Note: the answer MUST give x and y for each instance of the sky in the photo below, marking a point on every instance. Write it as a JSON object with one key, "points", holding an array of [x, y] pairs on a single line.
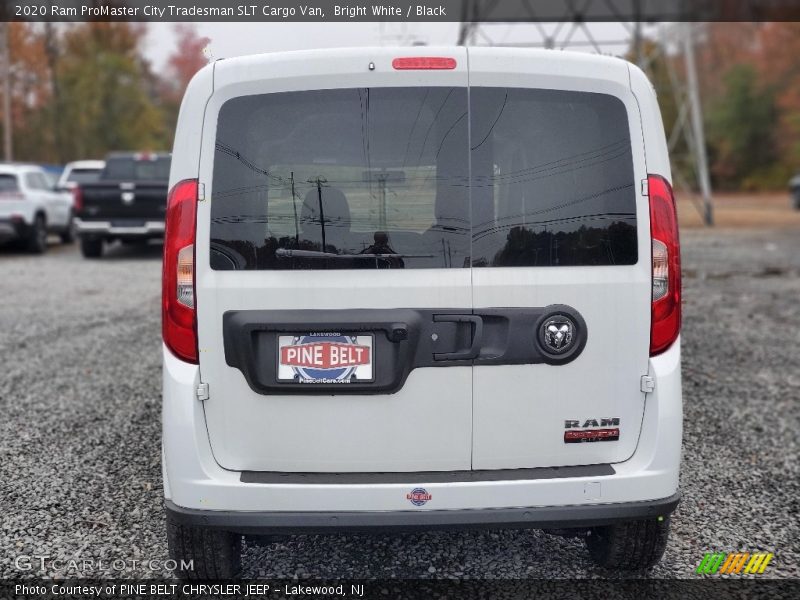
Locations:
{"points": [[236, 39]]}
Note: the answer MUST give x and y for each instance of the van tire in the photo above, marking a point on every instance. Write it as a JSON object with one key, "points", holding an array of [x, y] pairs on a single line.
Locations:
{"points": [[91, 248], [37, 238], [214, 554], [631, 545]]}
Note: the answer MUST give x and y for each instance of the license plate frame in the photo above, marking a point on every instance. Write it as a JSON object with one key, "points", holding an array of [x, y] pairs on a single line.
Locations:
{"points": [[325, 358]]}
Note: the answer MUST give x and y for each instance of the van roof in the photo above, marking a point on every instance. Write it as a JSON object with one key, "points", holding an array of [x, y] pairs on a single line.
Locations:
{"points": [[367, 51], [317, 61]]}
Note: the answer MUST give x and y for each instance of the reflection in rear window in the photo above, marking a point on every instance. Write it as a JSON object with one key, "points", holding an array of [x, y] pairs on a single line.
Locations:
{"points": [[341, 179], [380, 178], [8, 183], [552, 179]]}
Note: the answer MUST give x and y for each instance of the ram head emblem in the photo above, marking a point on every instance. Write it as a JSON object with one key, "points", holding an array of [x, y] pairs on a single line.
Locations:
{"points": [[558, 334]]}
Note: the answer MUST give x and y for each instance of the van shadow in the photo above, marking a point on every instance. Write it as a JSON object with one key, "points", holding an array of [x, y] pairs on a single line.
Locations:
{"points": [[503, 554]]}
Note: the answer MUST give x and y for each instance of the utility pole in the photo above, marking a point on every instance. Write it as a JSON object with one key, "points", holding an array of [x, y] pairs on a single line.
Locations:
{"points": [[5, 75], [696, 113]]}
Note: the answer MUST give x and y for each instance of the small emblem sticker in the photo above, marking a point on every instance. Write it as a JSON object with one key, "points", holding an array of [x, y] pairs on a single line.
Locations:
{"points": [[418, 496]]}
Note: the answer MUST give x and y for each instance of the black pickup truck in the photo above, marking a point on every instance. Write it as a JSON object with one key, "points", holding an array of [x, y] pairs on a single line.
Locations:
{"points": [[128, 202]]}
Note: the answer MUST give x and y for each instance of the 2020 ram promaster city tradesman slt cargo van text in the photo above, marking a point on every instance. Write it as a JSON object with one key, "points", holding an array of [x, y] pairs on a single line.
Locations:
{"points": [[420, 292]]}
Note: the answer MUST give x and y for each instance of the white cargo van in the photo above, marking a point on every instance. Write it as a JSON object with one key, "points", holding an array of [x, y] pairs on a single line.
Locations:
{"points": [[413, 291]]}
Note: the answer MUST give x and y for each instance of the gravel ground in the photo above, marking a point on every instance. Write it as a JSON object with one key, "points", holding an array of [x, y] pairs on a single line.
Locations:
{"points": [[79, 438]]}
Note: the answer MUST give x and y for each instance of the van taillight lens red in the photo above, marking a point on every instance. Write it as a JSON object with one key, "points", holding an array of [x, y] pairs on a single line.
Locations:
{"points": [[179, 320], [410, 63], [666, 295]]}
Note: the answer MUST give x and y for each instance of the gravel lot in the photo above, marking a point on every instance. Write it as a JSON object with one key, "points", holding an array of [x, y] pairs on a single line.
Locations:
{"points": [[80, 433]]}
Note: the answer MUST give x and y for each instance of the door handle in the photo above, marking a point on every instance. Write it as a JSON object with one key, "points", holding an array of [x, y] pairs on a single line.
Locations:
{"points": [[477, 335]]}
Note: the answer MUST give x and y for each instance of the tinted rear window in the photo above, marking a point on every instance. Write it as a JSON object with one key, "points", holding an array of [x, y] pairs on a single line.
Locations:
{"points": [[8, 183], [552, 179], [332, 178], [380, 178], [132, 169], [84, 175]]}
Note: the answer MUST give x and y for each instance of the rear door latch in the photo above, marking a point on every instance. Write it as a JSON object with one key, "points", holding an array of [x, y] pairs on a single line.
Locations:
{"points": [[476, 325], [648, 384], [202, 391]]}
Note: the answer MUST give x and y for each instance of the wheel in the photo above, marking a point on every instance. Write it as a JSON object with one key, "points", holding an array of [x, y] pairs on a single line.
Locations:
{"points": [[208, 553], [796, 199], [629, 545], [37, 239], [91, 248], [68, 235]]}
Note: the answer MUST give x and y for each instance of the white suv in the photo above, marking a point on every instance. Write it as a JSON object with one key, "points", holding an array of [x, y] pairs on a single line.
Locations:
{"points": [[416, 292], [31, 207]]}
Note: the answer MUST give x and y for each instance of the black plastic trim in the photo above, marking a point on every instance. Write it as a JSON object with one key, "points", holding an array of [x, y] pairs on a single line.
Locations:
{"points": [[422, 477], [541, 517], [21, 228], [405, 339]]}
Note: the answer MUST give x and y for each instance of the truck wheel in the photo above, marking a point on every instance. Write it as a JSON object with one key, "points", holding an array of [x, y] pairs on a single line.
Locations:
{"points": [[202, 553], [68, 235], [37, 239], [91, 248], [631, 545]]}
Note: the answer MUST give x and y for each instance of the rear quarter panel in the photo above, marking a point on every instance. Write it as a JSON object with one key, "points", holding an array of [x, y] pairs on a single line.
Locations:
{"points": [[189, 131]]}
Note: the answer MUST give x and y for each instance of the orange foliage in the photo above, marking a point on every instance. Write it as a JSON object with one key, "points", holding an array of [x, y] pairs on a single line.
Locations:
{"points": [[186, 60]]}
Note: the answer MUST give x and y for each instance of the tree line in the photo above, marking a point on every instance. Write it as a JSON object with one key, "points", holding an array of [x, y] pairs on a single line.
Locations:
{"points": [[81, 90], [749, 78]]}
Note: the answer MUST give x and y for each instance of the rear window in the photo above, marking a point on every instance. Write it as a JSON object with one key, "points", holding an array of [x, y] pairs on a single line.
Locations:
{"points": [[552, 179], [84, 175], [8, 183], [346, 178], [154, 168], [380, 178]]}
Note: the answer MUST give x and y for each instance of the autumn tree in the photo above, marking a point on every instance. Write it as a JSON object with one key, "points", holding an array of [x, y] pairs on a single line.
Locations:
{"points": [[30, 94], [741, 130], [107, 101], [779, 68], [182, 64]]}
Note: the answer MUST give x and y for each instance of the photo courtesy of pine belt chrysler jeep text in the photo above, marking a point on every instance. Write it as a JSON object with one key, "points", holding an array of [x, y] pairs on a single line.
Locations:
{"points": [[408, 291]]}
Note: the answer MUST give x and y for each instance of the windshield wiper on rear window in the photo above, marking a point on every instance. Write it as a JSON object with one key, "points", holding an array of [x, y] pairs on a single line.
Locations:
{"points": [[290, 253]]}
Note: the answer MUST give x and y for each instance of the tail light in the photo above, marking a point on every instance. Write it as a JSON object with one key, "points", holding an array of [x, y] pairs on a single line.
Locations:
{"points": [[665, 322], [77, 199], [410, 63], [179, 319]]}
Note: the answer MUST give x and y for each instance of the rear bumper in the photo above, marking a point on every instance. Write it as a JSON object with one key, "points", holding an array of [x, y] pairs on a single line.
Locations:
{"points": [[109, 229], [13, 229], [195, 485], [536, 517]]}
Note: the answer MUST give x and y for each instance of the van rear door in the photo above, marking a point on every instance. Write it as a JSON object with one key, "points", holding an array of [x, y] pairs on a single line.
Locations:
{"points": [[561, 260], [332, 264]]}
